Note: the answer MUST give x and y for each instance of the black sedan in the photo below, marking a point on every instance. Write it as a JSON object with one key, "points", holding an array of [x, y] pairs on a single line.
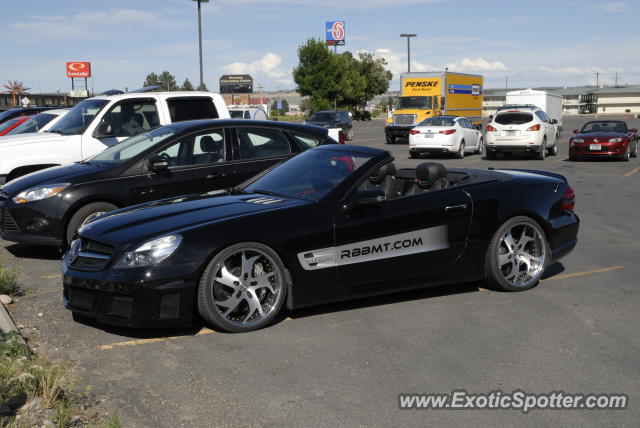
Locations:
{"points": [[48, 206], [334, 223]]}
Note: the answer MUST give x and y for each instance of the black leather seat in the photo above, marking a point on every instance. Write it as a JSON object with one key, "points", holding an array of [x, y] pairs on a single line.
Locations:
{"points": [[213, 150], [383, 179], [429, 176]]}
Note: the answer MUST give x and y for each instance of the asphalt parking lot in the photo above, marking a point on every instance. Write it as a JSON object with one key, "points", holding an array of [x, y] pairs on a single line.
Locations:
{"points": [[345, 364]]}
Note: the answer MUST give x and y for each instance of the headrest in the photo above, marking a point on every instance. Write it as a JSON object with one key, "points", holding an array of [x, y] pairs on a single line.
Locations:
{"points": [[139, 119], [428, 173], [382, 172], [208, 145]]}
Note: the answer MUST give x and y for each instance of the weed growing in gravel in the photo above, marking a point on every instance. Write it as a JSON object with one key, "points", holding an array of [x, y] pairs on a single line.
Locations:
{"points": [[9, 281]]}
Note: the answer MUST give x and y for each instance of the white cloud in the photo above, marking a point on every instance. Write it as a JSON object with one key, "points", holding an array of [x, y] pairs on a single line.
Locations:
{"points": [[616, 6], [477, 64], [268, 65], [397, 63]]}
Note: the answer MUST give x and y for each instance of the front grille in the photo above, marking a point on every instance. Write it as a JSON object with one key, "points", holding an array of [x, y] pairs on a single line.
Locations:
{"points": [[404, 119], [7, 224], [92, 255]]}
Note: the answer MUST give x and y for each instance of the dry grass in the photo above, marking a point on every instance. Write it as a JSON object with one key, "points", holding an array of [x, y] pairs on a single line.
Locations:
{"points": [[9, 281]]}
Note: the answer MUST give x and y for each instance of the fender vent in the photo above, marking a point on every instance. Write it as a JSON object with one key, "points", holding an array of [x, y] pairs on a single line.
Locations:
{"points": [[264, 201]]}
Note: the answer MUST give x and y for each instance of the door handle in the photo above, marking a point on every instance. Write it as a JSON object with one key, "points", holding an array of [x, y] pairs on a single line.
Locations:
{"points": [[215, 175], [455, 207]]}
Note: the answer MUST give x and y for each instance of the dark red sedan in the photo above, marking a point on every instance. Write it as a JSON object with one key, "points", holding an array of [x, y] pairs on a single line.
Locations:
{"points": [[604, 138]]}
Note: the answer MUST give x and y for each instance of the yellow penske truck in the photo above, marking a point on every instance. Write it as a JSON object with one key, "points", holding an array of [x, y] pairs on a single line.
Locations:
{"points": [[429, 94]]}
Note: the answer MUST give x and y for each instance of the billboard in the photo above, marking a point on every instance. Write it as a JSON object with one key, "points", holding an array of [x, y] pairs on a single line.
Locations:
{"points": [[335, 33], [236, 84], [78, 69]]}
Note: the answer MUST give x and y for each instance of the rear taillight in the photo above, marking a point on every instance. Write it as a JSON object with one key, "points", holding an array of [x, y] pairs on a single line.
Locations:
{"points": [[341, 137], [414, 132], [491, 128], [447, 131], [534, 128], [569, 199]]}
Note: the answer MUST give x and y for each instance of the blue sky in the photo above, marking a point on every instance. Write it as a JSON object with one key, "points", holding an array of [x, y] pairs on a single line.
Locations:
{"points": [[531, 43]]}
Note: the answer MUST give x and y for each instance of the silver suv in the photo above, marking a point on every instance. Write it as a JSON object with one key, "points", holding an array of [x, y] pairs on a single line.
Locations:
{"points": [[521, 128]]}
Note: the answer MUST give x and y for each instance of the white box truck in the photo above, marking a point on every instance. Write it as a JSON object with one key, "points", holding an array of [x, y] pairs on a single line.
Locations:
{"points": [[549, 102]]}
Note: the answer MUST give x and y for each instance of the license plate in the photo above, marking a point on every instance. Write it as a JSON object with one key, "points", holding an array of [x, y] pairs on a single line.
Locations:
{"points": [[595, 147], [509, 133], [428, 135]]}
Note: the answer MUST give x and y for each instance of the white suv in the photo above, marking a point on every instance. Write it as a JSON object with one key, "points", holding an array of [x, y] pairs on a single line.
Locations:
{"points": [[521, 128]]}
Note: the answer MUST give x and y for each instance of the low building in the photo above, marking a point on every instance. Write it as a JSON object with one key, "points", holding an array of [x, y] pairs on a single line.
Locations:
{"points": [[580, 100]]}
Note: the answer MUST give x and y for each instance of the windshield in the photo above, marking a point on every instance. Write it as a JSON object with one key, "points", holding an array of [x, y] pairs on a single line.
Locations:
{"points": [[414, 102], [236, 114], [34, 124], [323, 116], [79, 118], [134, 146], [437, 121], [310, 175], [604, 126]]}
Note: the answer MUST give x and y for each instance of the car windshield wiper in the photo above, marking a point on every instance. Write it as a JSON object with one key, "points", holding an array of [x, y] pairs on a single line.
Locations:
{"points": [[54, 131], [270, 193]]}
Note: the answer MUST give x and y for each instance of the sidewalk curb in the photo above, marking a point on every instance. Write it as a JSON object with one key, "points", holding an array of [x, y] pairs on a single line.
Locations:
{"points": [[7, 325]]}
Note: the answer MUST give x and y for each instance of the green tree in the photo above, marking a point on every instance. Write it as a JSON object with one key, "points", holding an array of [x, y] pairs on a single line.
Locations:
{"points": [[187, 85], [376, 76], [165, 80]]}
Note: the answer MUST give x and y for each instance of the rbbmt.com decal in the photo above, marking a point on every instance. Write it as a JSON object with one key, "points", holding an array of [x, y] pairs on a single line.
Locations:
{"points": [[418, 241]]}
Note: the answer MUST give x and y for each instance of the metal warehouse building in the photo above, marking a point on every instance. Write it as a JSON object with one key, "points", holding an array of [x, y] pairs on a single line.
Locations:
{"points": [[582, 100]]}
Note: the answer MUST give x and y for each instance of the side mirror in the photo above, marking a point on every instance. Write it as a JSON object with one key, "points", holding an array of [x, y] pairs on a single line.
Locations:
{"points": [[104, 130], [368, 198], [158, 163], [554, 122], [575, 131]]}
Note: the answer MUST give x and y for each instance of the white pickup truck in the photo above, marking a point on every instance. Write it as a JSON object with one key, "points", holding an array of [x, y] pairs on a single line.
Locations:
{"points": [[100, 122]]}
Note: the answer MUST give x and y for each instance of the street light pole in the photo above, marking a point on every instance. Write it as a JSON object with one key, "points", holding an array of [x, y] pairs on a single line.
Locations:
{"points": [[200, 39], [408, 36]]}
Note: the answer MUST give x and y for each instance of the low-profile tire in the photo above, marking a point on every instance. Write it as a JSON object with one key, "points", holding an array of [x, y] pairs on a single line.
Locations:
{"points": [[627, 155], [517, 255], [490, 155], [391, 139], [543, 150], [460, 152], [480, 146], [349, 134], [553, 151], [243, 288], [84, 215], [634, 153]]}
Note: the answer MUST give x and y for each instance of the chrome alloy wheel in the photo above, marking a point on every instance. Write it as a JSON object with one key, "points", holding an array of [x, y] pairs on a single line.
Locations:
{"points": [[522, 254], [246, 286]]}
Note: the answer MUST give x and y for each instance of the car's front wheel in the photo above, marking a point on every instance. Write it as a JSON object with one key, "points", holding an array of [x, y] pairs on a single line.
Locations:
{"points": [[517, 255], [634, 153], [243, 288], [84, 215]]}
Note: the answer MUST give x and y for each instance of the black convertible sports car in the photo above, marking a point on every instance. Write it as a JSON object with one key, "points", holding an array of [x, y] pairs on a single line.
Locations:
{"points": [[334, 223]]}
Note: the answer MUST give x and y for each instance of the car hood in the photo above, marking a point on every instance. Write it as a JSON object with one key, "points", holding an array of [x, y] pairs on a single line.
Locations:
{"points": [[602, 137], [72, 174], [140, 223], [32, 137]]}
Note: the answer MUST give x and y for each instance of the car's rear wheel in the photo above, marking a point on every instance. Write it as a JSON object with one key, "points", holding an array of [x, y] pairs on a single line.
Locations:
{"points": [[543, 150], [490, 155], [460, 152], [349, 134], [413, 155], [243, 288], [84, 215], [391, 139], [517, 255], [480, 146]]}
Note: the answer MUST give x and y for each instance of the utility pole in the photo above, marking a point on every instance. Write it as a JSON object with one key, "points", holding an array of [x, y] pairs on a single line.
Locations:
{"points": [[506, 82], [408, 36], [200, 39]]}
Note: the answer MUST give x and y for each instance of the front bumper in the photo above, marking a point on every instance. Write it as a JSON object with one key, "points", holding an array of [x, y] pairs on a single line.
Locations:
{"points": [[159, 296], [606, 149], [401, 131], [35, 222]]}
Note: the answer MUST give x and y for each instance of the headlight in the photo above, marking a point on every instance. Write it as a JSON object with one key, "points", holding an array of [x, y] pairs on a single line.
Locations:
{"points": [[615, 140], [578, 140], [38, 193], [150, 253]]}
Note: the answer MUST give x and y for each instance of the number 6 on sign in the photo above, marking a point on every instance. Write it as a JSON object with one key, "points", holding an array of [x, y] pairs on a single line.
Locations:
{"points": [[335, 31]]}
